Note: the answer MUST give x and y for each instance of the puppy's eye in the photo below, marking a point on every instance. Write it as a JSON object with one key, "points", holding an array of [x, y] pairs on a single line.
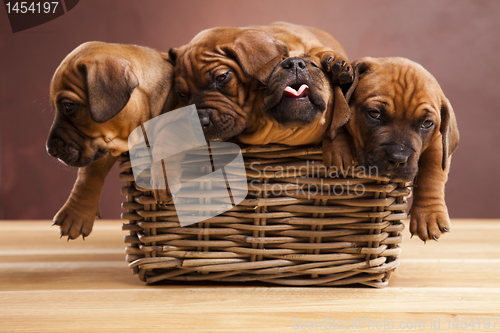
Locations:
{"points": [[427, 124], [221, 78], [182, 95], [69, 108], [375, 114]]}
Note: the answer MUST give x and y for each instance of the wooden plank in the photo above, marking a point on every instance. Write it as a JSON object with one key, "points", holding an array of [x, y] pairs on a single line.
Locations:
{"points": [[115, 274], [447, 273], [31, 235], [240, 309], [468, 239], [50, 285]]}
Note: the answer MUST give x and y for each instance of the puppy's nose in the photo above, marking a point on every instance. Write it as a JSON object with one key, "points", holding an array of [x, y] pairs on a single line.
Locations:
{"points": [[397, 160], [398, 156], [52, 151], [52, 147], [293, 64], [204, 115]]}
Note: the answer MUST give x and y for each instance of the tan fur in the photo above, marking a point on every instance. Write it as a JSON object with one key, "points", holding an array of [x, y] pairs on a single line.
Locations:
{"points": [[128, 85], [315, 45], [408, 95], [214, 51]]}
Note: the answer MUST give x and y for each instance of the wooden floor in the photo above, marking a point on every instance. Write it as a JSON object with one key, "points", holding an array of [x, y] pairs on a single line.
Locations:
{"points": [[50, 285]]}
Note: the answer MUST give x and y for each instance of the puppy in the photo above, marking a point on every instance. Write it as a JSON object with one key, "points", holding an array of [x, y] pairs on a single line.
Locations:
{"points": [[303, 98], [101, 92], [220, 71], [402, 123], [224, 71]]}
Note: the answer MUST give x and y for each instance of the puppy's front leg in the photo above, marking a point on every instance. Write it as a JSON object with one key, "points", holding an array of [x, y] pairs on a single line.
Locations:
{"points": [[338, 152], [77, 215], [429, 214]]}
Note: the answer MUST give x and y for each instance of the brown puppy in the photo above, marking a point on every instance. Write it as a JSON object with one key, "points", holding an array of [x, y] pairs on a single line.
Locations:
{"points": [[224, 71], [100, 93], [403, 124], [220, 71], [303, 96]]}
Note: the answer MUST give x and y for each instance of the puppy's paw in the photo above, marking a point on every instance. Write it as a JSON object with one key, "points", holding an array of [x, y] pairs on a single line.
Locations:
{"points": [[341, 160], [338, 66], [429, 222], [75, 220], [338, 152]]}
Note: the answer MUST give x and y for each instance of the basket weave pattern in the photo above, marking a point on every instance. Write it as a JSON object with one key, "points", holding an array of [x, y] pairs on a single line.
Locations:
{"points": [[299, 225]]}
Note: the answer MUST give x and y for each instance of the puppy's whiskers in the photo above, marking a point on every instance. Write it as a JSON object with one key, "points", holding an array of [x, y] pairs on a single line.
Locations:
{"points": [[259, 88]]}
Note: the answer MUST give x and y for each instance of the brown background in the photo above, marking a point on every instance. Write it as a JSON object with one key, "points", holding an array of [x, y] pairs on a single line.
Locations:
{"points": [[458, 41]]}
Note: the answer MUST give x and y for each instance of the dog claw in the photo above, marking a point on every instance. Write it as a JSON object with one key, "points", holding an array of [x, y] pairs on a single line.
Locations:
{"points": [[411, 235], [435, 238], [445, 229]]}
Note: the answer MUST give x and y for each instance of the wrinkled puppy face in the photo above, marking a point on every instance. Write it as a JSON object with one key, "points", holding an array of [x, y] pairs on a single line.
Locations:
{"points": [[396, 114], [219, 90], [219, 71], [87, 92], [297, 92]]}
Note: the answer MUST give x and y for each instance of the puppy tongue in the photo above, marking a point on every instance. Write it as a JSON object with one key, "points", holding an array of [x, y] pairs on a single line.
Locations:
{"points": [[296, 93]]}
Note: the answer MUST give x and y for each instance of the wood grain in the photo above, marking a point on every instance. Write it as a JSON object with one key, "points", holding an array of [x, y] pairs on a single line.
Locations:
{"points": [[50, 285]]}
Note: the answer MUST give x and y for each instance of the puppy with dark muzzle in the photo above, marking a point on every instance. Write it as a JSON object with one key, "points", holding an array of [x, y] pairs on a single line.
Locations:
{"points": [[303, 102], [100, 93], [225, 71], [296, 107], [402, 123]]}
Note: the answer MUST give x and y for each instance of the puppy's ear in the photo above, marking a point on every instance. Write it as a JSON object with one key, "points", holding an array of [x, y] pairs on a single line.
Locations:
{"points": [[360, 67], [449, 130], [110, 82], [257, 53], [174, 53], [168, 82], [341, 111], [342, 95]]}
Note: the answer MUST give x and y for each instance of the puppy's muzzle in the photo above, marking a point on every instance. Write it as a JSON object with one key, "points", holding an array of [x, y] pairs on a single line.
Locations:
{"points": [[294, 65], [397, 156], [64, 152], [57, 148], [53, 146], [204, 115], [395, 161]]}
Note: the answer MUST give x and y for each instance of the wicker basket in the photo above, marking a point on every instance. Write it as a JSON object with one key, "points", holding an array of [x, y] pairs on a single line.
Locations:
{"points": [[347, 233]]}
